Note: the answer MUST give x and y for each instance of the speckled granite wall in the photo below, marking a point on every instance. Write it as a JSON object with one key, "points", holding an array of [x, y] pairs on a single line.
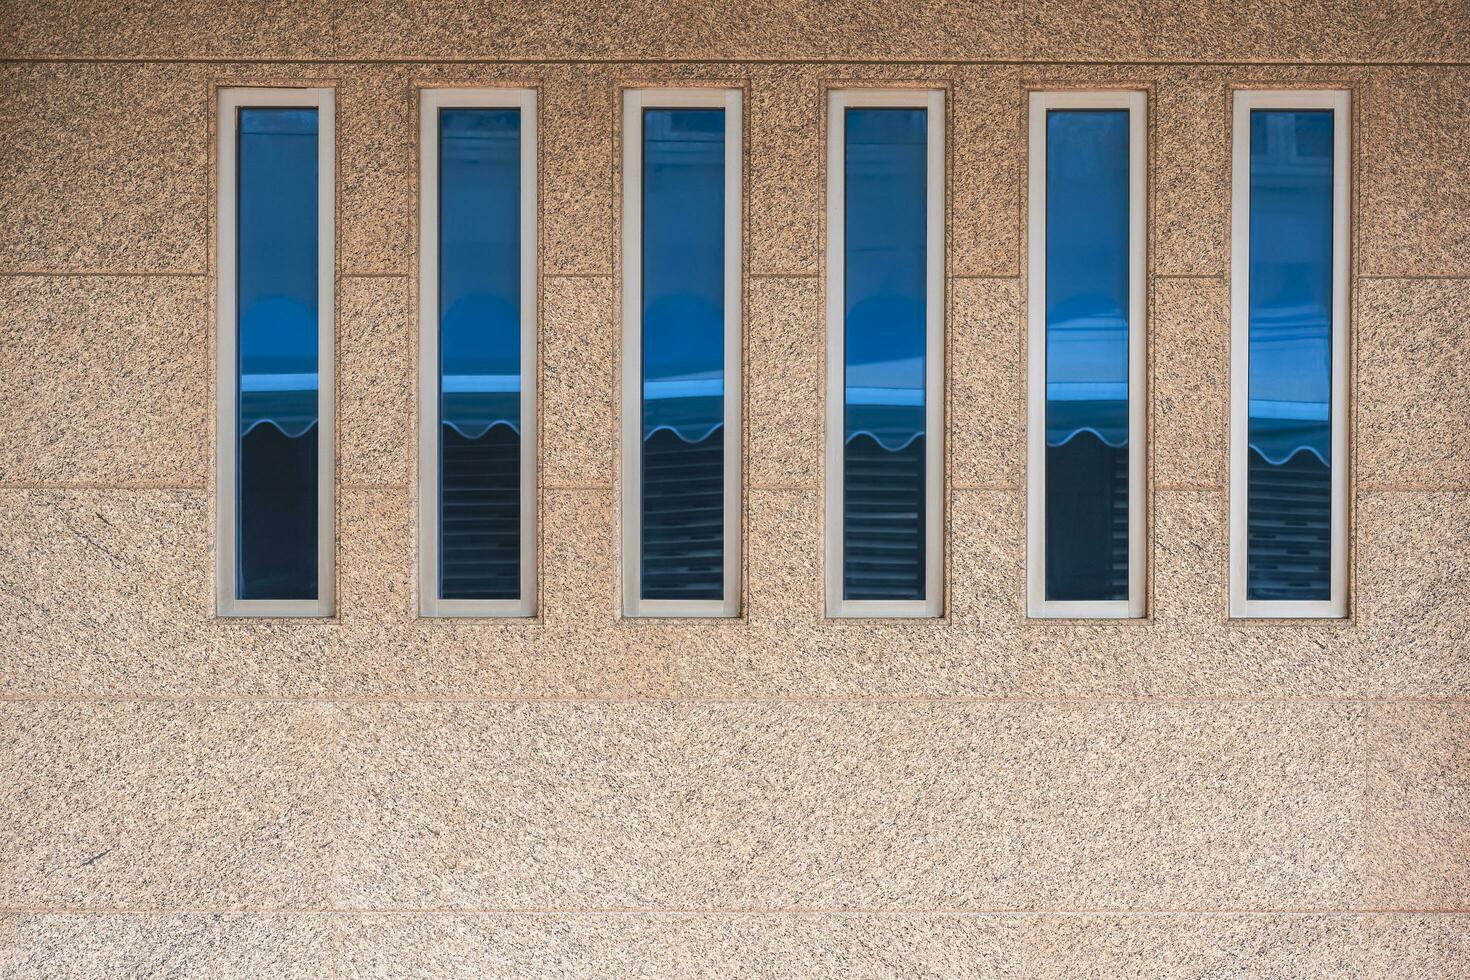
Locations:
{"points": [[780, 795]]}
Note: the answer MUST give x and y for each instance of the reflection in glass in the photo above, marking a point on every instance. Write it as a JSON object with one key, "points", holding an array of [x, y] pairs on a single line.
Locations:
{"points": [[683, 354], [479, 353], [884, 262], [1086, 354], [276, 465], [1289, 496]]}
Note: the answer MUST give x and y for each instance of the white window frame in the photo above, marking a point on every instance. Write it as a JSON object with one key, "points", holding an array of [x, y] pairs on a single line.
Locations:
{"points": [[431, 100], [1037, 605], [230, 102], [1339, 102], [634, 102], [932, 605]]}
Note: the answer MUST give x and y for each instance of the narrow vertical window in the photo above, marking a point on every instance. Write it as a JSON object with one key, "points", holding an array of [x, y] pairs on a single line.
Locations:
{"points": [[681, 352], [1288, 389], [276, 279], [477, 348], [885, 339], [1086, 334]]}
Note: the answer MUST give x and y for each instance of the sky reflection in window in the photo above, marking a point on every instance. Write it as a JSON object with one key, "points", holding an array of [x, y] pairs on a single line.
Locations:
{"points": [[884, 262], [683, 342], [276, 469], [1087, 354], [480, 353], [1289, 494]]}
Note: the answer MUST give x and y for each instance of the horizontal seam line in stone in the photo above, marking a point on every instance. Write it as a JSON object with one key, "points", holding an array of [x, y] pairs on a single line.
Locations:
{"points": [[143, 485], [1428, 276], [688, 910], [390, 699], [1325, 67], [814, 488], [100, 274], [1414, 487]]}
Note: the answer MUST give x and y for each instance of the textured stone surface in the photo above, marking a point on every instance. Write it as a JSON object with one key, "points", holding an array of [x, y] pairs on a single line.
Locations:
{"points": [[580, 382], [376, 382], [1191, 177], [987, 397], [377, 174], [1325, 31], [1190, 351], [1413, 387], [1172, 30], [166, 804], [229, 946], [785, 172], [848, 947], [168, 29], [105, 380], [1185, 947], [1414, 591], [713, 805], [786, 364], [579, 115], [1415, 218], [819, 805], [1417, 947], [507, 947], [1114, 33], [486, 805], [103, 168], [149, 553], [1418, 806], [986, 150]]}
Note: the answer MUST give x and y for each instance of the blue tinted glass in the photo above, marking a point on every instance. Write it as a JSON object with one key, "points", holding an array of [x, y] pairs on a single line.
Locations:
{"points": [[683, 353], [276, 534], [1086, 354], [1289, 495], [883, 371], [480, 353]]}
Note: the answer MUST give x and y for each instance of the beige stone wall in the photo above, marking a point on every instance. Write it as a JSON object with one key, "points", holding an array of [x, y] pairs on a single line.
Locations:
{"points": [[780, 795]]}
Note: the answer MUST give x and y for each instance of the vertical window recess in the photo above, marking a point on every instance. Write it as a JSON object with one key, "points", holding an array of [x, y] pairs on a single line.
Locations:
{"points": [[885, 343], [477, 350], [1288, 355], [1086, 356], [681, 352], [276, 281]]}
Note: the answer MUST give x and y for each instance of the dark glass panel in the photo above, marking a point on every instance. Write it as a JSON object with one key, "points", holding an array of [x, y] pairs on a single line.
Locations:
{"points": [[480, 353], [683, 353], [884, 261], [276, 484], [1289, 501], [1086, 354]]}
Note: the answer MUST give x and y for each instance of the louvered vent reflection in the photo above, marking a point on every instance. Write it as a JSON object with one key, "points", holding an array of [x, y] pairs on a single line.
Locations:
{"points": [[683, 516], [883, 516], [1086, 519], [278, 513], [480, 550], [1290, 528]]}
